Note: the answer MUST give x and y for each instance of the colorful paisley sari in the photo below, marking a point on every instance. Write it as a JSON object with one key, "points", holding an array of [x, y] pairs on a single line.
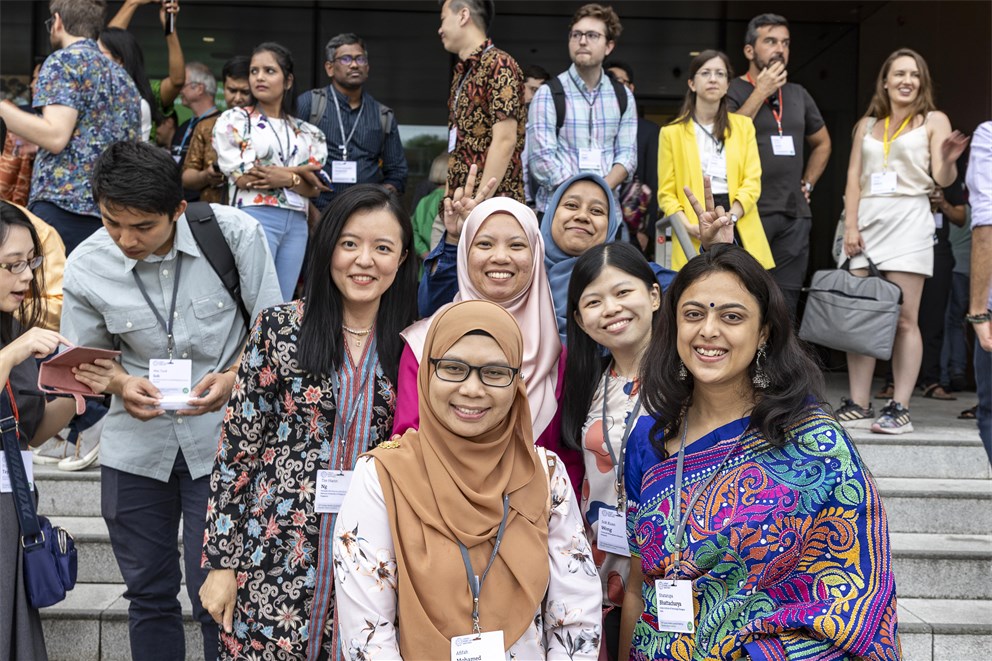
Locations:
{"points": [[788, 548]]}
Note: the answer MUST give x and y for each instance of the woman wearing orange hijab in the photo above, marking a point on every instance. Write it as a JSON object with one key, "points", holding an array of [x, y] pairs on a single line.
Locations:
{"points": [[466, 495]]}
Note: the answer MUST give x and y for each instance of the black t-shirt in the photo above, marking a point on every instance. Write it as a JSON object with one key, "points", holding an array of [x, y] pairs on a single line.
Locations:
{"points": [[780, 175]]}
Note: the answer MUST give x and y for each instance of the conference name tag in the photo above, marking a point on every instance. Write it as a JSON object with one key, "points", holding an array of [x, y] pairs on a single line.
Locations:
{"points": [[883, 182], [782, 145], [673, 602], [612, 535], [344, 172], [716, 168], [590, 160], [486, 646], [332, 486], [5, 486], [938, 220], [295, 200], [174, 379], [452, 138]]}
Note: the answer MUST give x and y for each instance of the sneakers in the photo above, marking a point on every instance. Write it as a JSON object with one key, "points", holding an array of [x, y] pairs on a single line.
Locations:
{"points": [[894, 420], [853, 416], [51, 451], [87, 449]]}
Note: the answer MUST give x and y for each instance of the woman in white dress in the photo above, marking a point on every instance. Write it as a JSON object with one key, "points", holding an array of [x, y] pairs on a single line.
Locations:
{"points": [[466, 495], [902, 147]]}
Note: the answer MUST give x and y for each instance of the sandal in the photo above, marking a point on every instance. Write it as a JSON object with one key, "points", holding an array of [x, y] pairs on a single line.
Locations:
{"points": [[886, 392], [969, 414], [936, 391]]}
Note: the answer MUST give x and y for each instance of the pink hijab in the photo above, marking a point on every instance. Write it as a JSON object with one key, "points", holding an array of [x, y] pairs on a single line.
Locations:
{"points": [[533, 308]]}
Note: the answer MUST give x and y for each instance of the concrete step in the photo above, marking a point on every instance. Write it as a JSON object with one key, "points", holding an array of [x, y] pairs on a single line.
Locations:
{"points": [[945, 629], [930, 452], [91, 625], [68, 494], [926, 505], [936, 566], [97, 563]]}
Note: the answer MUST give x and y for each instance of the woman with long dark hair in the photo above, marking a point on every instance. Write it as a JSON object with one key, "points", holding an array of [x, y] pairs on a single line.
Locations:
{"points": [[754, 527], [315, 390], [903, 149], [266, 152], [121, 47], [706, 141], [613, 302]]}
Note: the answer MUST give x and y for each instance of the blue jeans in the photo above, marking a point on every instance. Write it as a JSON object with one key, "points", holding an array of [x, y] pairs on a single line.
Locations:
{"points": [[286, 231], [74, 228], [954, 353], [983, 379], [142, 516]]}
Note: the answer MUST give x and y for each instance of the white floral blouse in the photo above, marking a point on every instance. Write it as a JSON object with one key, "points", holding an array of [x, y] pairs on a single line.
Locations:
{"points": [[566, 627], [244, 137]]}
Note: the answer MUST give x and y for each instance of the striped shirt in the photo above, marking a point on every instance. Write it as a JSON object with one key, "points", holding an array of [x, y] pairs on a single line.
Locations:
{"points": [[592, 120], [366, 146]]}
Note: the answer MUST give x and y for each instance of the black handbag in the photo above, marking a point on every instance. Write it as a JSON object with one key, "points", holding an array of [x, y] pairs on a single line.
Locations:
{"points": [[849, 313], [48, 552]]}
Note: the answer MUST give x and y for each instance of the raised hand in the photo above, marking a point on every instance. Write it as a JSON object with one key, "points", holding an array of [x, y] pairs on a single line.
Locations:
{"points": [[715, 225], [458, 207], [953, 146]]}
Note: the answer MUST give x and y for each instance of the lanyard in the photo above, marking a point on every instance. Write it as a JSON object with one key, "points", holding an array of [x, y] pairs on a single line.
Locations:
{"points": [[348, 419], [461, 84], [887, 141], [781, 107], [344, 140], [282, 153], [171, 344], [680, 531], [618, 463], [474, 581], [718, 143], [591, 101]]}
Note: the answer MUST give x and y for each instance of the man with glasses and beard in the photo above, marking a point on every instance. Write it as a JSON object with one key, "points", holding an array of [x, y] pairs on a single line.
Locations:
{"points": [[785, 116], [363, 141]]}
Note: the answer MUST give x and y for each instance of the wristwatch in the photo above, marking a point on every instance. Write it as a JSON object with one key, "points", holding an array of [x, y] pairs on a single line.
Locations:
{"points": [[734, 218], [808, 185], [296, 181]]}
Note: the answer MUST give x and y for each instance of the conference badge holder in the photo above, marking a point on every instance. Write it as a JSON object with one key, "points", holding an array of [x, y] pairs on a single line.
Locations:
{"points": [[782, 145], [674, 605], [332, 485]]}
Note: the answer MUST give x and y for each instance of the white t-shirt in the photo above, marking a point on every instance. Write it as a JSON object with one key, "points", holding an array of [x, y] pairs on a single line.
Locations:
{"points": [[146, 121], [712, 158]]}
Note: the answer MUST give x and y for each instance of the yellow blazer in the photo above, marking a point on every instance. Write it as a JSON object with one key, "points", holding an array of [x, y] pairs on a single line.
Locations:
{"points": [[678, 166]]}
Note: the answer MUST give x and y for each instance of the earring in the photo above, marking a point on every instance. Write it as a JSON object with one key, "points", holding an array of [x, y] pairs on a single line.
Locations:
{"points": [[683, 372], [760, 378]]}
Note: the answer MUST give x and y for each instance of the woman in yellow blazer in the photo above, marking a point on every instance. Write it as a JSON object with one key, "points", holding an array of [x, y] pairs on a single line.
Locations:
{"points": [[707, 140]]}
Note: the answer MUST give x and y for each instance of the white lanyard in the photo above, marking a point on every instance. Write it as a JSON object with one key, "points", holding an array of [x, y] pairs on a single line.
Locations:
{"points": [[344, 140]]}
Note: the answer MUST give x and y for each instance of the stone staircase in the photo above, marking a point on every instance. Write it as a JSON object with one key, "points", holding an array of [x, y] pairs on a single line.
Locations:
{"points": [[936, 484]]}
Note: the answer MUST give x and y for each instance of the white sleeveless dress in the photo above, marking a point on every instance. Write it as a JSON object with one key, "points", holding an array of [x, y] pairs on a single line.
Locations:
{"points": [[897, 228]]}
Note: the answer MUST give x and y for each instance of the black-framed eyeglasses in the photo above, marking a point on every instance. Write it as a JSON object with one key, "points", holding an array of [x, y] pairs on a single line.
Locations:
{"points": [[456, 371], [591, 36], [346, 60], [19, 266], [49, 22]]}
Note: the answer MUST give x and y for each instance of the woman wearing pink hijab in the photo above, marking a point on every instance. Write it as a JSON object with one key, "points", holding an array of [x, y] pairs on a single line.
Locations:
{"points": [[501, 259]]}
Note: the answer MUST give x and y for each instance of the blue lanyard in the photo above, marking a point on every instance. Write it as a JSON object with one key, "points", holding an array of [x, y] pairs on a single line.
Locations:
{"points": [[618, 463]]}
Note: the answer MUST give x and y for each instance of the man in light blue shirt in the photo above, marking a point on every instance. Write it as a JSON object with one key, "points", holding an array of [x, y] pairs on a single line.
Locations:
{"points": [[143, 286], [599, 132]]}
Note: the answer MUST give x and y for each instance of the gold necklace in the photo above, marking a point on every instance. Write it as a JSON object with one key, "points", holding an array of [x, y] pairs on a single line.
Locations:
{"points": [[358, 333]]}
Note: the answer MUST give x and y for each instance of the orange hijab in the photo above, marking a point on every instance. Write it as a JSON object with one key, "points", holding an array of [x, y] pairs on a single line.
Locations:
{"points": [[440, 489]]}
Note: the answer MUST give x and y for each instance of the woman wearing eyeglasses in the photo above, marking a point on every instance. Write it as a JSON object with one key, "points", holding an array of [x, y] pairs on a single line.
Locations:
{"points": [[708, 141], [460, 538]]}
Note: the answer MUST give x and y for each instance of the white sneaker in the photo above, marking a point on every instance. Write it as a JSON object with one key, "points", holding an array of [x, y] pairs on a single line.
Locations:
{"points": [[87, 449], [51, 451]]}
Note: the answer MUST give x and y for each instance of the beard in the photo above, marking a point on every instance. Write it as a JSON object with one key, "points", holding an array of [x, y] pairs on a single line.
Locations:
{"points": [[764, 64]]}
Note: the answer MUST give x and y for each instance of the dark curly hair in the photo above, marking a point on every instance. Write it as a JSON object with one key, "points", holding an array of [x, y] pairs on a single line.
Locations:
{"points": [[796, 379]]}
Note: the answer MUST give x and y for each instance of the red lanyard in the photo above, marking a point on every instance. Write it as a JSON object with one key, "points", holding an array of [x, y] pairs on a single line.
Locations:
{"points": [[781, 108]]}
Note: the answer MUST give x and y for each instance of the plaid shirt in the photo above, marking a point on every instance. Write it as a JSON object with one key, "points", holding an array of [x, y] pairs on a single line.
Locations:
{"points": [[554, 158]]}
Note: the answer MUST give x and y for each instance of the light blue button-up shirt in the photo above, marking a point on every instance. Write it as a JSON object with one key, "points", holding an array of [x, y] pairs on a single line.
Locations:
{"points": [[104, 308]]}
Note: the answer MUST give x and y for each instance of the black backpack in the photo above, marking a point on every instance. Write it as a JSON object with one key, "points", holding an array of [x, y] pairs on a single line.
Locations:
{"points": [[558, 96], [206, 232]]}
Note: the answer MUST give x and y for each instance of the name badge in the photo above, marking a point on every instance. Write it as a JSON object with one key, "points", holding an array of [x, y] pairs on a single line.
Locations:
{"points": [[782, 145], [486, 646], [26, 459], [716, 168], [174, 379], [673, 601], [938, 220], [295, 200], [590, 160], [332, 485], [883, 182], [452, 138], [344, 172], [612, 535]]}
